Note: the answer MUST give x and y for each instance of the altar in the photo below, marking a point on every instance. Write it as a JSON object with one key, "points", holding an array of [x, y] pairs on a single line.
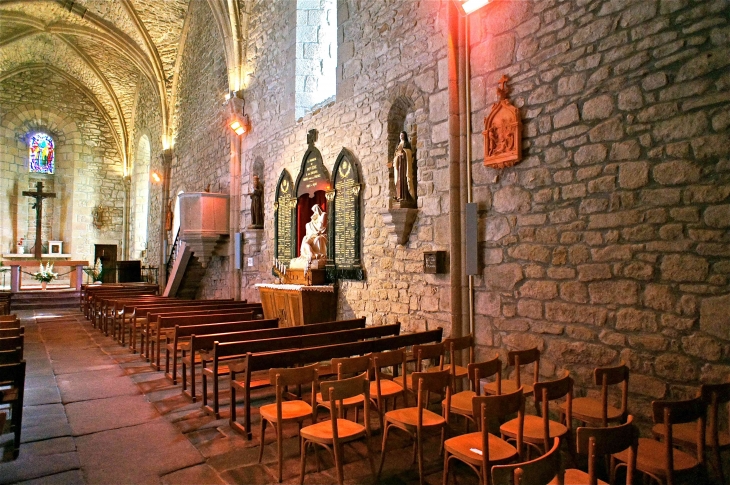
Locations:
{"points": [[27, 263], [296, 305]]}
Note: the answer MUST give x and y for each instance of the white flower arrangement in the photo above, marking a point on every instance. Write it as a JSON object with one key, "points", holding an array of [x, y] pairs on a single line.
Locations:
{"points": [[96, 271], [45, 274]]}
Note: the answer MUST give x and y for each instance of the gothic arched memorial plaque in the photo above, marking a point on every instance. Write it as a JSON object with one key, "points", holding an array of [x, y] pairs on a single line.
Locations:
{"points": [[283, 206], [502, 132], [345, 208]]}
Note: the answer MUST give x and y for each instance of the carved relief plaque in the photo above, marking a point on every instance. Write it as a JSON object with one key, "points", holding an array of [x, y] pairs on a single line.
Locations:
{"points": [[502, 132], [284, 204]]}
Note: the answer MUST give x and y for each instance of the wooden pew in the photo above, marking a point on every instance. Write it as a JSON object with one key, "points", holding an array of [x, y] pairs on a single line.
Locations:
{"points": [[116, 310], [232, 350], [12, 343], [295, 357], [12, 378], [149, 327], [8, 318], [10, 324], [12, 332], [164, 330], [202, 342], [99, 300], [87, 296]]}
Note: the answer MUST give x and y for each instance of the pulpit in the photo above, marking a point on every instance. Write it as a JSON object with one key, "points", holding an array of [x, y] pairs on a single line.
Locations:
{"points": [[297, 305]]}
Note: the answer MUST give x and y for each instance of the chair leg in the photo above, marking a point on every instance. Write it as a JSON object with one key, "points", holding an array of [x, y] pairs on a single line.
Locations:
{"points": [[261, 445], [303, 466], [337, 451], [718, 463], [382, 452], [419, 445], [280, 448], [446, 468]]}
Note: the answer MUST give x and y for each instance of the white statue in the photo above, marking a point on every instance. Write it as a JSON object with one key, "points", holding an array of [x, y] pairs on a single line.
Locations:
{"points": [[313, 251]]}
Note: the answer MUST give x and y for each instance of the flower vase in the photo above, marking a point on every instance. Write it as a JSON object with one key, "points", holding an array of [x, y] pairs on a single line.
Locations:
{"points": [[43, 285]]}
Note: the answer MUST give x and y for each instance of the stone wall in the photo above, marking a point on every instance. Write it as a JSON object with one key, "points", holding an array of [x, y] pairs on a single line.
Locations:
{"points": [[201, 136], [88, 163], [609, 242]]}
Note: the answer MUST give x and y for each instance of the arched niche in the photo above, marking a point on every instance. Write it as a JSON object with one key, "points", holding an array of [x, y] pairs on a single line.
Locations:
{"points": [[284, 205], [344, 229], [402, 117], [312, 188]]}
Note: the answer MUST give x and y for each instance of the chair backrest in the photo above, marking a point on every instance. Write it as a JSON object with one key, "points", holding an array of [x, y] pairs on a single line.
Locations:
{"points": [[295, 376], [482, 370], [611, 376], [676, 412], [339, 390], [518, 358], [498, 407], [595, 442], [428, 352], [456, 344], [547, 391], [540, 471], [346, 366], [428, 382], [714, 395]]}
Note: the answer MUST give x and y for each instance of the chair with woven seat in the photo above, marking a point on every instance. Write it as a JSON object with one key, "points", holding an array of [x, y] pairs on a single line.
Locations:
{"points": [[481, 450], [421, 353], [451, 347], [282, 411], [347, 367], [382, 387], [12, 390], [660, 459], [518, 359], [416, 420], [540, 471], [685, 434], [332, 434], [540, 431], [603, 441], [461, 402], [594, 412]]}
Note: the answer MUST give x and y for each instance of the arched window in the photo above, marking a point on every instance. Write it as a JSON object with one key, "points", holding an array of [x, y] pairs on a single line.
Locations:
{"points": [[316, 60], [42, 153], [140, 197]]}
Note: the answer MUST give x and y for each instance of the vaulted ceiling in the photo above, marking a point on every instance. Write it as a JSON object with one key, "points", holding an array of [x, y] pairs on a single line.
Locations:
{"points": [[104, 47]]}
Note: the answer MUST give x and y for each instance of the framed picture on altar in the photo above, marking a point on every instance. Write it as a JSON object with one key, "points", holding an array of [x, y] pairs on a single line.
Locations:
{"points": [[55, 247]]}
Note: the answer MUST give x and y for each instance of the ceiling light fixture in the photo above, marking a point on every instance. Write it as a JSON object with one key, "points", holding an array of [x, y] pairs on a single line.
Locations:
{"points": [[467, 7]]}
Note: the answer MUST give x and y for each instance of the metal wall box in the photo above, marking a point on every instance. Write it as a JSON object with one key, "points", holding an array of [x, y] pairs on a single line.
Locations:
{"points": [[434, 262]]}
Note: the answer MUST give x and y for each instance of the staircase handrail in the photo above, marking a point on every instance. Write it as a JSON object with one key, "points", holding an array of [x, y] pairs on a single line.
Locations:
{"points": [[173, 255]]}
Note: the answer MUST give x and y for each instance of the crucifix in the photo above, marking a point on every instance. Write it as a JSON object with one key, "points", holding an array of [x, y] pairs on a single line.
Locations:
{"points": [[39, 195]]}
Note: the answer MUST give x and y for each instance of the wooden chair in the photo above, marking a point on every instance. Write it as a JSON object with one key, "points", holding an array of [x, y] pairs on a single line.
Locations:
{"points": [[541, 430], [430, 352], [481, 450], [540, 471], [461, 402], [517, 359], [599, 413], [347, 367], [660, 460], [283, 412], [332, 434], [685, 434], [416, 420], [12, 381], [451, 347], [383, 387], [604, 441]]}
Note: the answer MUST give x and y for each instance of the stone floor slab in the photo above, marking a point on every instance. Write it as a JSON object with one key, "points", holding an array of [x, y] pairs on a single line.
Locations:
{"points": [[28, 466], [87, 417], [41, 395], [199, 475], [73, 477], [97, 384], [132, 455]]}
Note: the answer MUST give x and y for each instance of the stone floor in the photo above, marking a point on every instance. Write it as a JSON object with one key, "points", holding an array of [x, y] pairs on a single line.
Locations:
{"points": [[96, 414]]}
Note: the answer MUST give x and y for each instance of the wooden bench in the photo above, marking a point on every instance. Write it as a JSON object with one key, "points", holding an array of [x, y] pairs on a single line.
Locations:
{"points": [[99, 299], [115, 309], [87, 291], [201, 344], [12, 343], [228, 351], [89, 297], [12, 379], [254, 362], [12, 332], [166, 332], [10, 324], [149, 327]]}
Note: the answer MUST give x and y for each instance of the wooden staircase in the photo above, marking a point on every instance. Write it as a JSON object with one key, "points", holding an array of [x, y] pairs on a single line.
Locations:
{"points": [[185, 275]]}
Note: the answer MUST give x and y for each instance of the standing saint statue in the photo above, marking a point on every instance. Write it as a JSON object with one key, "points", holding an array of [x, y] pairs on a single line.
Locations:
{"points": [[313, 251], [405, 184], [257, 203]]}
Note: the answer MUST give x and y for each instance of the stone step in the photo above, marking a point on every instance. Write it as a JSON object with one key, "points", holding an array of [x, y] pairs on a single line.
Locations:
{"points": [[44, 299]]}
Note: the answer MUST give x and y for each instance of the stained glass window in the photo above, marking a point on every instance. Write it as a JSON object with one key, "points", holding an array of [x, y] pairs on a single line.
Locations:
{"points": [[42, 153]]}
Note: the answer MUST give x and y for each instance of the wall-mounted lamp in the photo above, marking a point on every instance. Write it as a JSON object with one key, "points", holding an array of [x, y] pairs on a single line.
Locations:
{"points": [[240, 125], [467, 7], [156, 177]]}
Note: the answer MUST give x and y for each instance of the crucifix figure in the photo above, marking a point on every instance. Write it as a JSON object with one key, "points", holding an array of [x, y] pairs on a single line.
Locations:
{"points": [[39, 195]]}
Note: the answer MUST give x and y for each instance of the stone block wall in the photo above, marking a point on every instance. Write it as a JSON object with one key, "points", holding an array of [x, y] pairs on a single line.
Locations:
{"points": [[609, 242], [88, 163]]}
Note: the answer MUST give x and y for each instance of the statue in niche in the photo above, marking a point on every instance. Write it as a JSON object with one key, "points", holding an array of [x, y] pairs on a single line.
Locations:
{"points": [[257, 203], [405, 184], [313, 251], [168, 216]]}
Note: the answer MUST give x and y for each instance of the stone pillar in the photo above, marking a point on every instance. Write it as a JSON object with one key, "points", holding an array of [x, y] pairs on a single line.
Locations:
{"points": [[166, 159]]}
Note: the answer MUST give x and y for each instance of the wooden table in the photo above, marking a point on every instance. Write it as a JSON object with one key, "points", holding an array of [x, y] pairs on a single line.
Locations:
{"points": [[298, 304], [76, 275]]}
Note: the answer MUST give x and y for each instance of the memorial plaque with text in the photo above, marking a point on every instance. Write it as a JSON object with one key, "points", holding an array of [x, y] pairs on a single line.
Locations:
{"points": [[346, 218], [283, 206]]}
